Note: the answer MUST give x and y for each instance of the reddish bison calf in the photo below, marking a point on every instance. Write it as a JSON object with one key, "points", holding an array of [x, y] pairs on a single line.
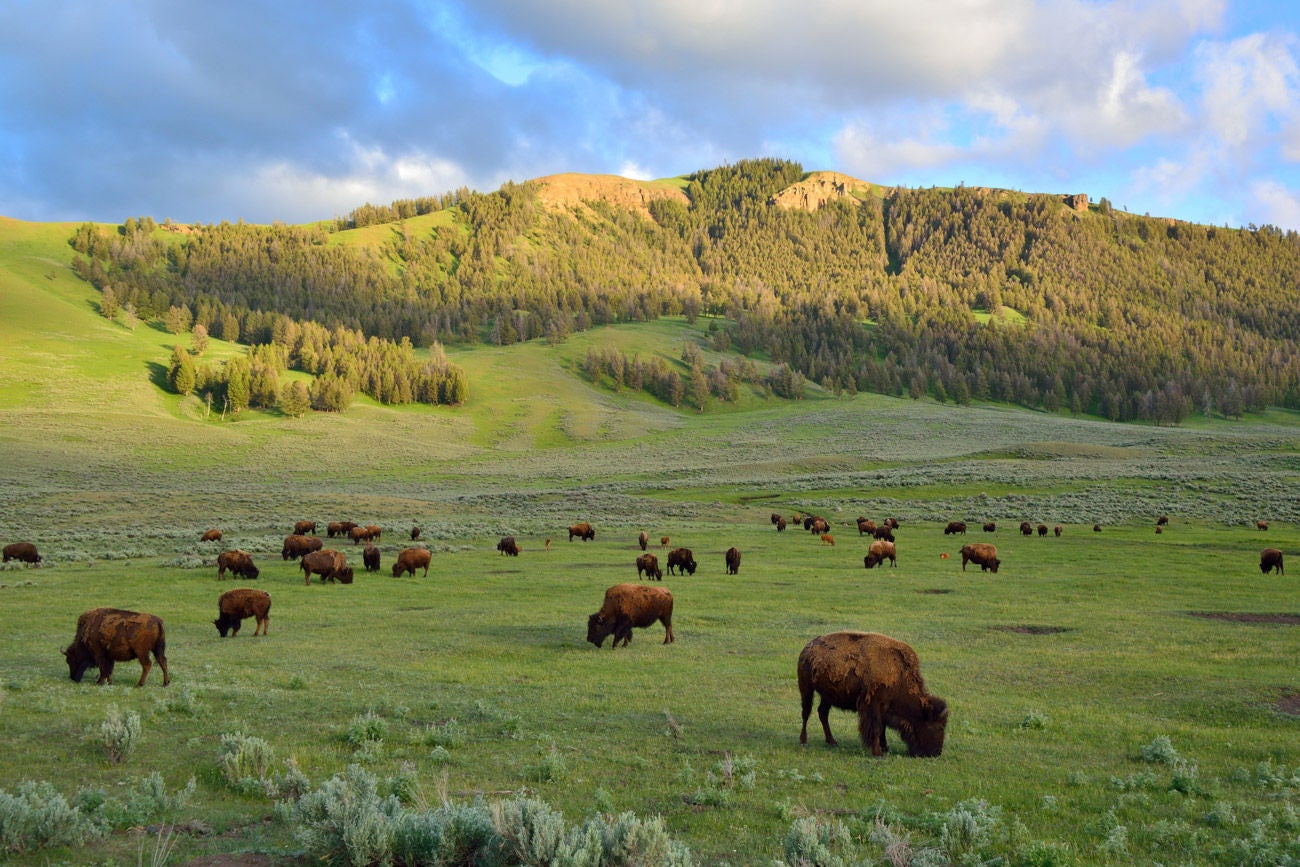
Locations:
{"points": [[880, 678], [109, 635], [880, 551], [629, 606], [733, 561], [1269, 559], [24, 552], [649, 564], [411, 559], [235, 605], [981, 553], [238, 562], [583, 531], [329, 564]]}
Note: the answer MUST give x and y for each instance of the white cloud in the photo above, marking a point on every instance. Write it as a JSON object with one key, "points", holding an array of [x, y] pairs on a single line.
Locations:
{"points": [[1249, 84], [1275, 204]]}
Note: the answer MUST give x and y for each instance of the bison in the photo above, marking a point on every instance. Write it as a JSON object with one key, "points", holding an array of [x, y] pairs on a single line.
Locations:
{"points": [[828, 539], [643, 539], [109, 635], [1026, 529], [629, 606], [329, 564], [681, 559], [880, 678], [1261, 525], [297, 546], [880, 551], [235, 605], [1271, 558], [415, 533], [304, 528], [238, 562], [339, 528], [1162, 520], [733, 561], [649, 564], [213, 535], [364, 534], [891, 523], [411, 559], [663, 541], [24, 552], [1042, 529], [1096, 528], [583, 531], [780, 525], [1057, 530], [990, 527], [884, 533], [955, 528], [509, 546], [370, 558], [981, 553], [819, 526], [776, 516], [866, 527]]}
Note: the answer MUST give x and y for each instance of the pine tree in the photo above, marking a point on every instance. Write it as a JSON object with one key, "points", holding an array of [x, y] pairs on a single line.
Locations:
{"points": [[238, 383], [199, 340], [181, 373], [295, 401], [108, 303]]}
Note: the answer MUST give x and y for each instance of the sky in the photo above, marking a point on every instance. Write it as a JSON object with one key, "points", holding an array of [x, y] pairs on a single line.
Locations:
{"points": [[301, 110]]}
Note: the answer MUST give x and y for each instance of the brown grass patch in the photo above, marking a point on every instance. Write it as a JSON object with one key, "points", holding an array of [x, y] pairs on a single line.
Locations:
{"points": [[1030, 629], [935, 590], [1288, 704]]}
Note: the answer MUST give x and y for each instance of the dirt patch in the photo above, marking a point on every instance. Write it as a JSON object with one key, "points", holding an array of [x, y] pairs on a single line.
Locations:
{"points": [[935, 590], [1029, 629], [1248, 617], [1288, 704], [243, 859]]}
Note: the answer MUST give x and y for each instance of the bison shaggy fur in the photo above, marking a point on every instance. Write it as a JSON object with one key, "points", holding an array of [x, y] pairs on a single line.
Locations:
{"points": [[108, 635], [304, 528], [880, 678], [984, 554], [24, 552], [411, 559], [583, 531], [370, 558], [329, 564], [235, 605], [296, 546], [879, 552], [649, 564], [955, 528], [1271, 558], [780, 525], [681, 559], [629, 606], [210, 536], [990, 527], [643, 540], [508, 546], [733, 561], [238, 562], [1026, 529]]}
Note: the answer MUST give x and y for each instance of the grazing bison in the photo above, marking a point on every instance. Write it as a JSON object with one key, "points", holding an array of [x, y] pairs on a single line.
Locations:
{"points": [[1159, 530], [370, 558], [1042, 529], [297, 546], [304, 528], [776, 516], [1096, 528], [866, 527], [339, 528], [235, 605], [1162, 520], [24, 552], [891, 523], [365, 534], [879, 552], [415, 533], [629, 606], [990, 527], [109, 635], [1261, 525], [955, 528], [1271, 558], [329, 564], [1057, 530], [509, 546], [681, 559], [210, 536], [982, 553], [238, 562], [375, 531], [780, 525], [733, 561], [583, 531], [828, 539], [1026, 528], [643, 539], [818, 526], [411, 559], [663, 541], [884, 533], [880, 678], [649, 564], [808, 521]]}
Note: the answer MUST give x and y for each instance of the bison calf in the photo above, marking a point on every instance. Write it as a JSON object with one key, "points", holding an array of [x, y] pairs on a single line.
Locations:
{"points": [[629, 606], [235, 605], [109, 635]]}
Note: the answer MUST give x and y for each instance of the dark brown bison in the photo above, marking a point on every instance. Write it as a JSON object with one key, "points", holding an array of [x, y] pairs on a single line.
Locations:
{"points": [[780, 525], [643, 540], [1042, 529], [981, 553], [339, 528], [329, 564], [880, 678], [879, 552], [210, 536], [304, 528], [411, 559], [1096, 528], [884, 533], [109, 635], [649, 564], [866, 527], [235, 605], [296, 546], [1261, 525], [1026, 528], [1162, 520], [583, 531], [1271, 558], [955, 528], [24, 552], [733, 561], [990, 527], [807, 522], [370, 558], [629, 606], [509, 546], [775, 516], [238, 562], [415, 533], [682, 560], [1057, 530]]}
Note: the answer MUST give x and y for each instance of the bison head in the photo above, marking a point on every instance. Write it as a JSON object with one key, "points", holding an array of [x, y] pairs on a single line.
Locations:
{"points": [[344, 576], [225, 623], [924, 735], [79, 659], [250, 572], [598, 629]]}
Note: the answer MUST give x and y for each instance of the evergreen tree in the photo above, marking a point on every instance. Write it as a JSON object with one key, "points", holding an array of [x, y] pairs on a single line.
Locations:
{"points": [[181, 372], [178, 319], [238, 383], [108, 303], [295, 401], [199, 340]]}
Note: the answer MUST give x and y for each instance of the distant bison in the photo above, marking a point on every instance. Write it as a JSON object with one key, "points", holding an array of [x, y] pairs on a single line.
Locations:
{"points": [[733, 561], [583, 531], [210, 536], [681, 559], [329, 564], [629, 606], [664, 540], [109, 635], [1026, 528], [879, 552], [508, 546], [1162, 520], [990, 527], [1096, 528], [649, 564], [24, 552], [981, 553], [304, 528], [643, 539], [955, 528], [370, 558], [1042, 529], [866, 527], [884, 533], [775, 516], [828, 539], [364, 534], [1261, 525], [880, 678], [239, 562], [415, 533], [297, 546], [1271, 558], [1057, 530], [818, 526], [411, 559], [780, 525], [339, 528], [235, 605]]}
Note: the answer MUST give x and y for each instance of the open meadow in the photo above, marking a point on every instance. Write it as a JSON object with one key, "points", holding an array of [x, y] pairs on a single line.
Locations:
{"points": [[1115, 697]]}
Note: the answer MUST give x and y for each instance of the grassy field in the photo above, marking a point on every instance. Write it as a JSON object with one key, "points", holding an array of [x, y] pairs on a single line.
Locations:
{"points": [[1116, 697]]}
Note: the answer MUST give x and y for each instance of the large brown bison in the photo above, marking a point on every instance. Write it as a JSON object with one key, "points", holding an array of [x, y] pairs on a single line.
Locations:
{"points": [[509, 546], [629, 606], [982, 553], [884, 533], [990, 527], [649, 564], [643, 540], [109, 635], [235, 605], [239, 562], [1026, 528], [370, 558], [955, 528], [818, 526], [296, 546], [879, 552], [411, 559], [304, 528], [210, 536], [866, 527], [24, 552], [880, 678], [780, 525], [733, 561], [681, 559], [583, 531], [329, 564], [1271, 558], [339, 528]]}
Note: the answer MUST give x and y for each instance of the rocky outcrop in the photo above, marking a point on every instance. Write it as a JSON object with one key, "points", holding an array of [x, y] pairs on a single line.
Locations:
{"points": [[817, 189], [563, 192]]}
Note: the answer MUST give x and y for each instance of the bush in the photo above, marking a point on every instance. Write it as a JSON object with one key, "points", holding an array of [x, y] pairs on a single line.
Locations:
{"points": [[36, 815], [346, 822], [244, 761], [119, 735], [1160, 750], [811, 841]]}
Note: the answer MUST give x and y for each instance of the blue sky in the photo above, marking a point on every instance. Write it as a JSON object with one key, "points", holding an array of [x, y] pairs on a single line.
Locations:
{"points": [[296, 111]]}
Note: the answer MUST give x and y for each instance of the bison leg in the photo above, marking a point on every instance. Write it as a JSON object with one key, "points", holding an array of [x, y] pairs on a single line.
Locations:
{"points": [[871, 726], [805, 704], [824, 714], [105, 671], [263, 623], [668, 630]]}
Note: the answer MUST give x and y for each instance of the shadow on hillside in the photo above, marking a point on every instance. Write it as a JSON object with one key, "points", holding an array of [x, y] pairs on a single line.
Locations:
{"points": [[157, 374]]}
